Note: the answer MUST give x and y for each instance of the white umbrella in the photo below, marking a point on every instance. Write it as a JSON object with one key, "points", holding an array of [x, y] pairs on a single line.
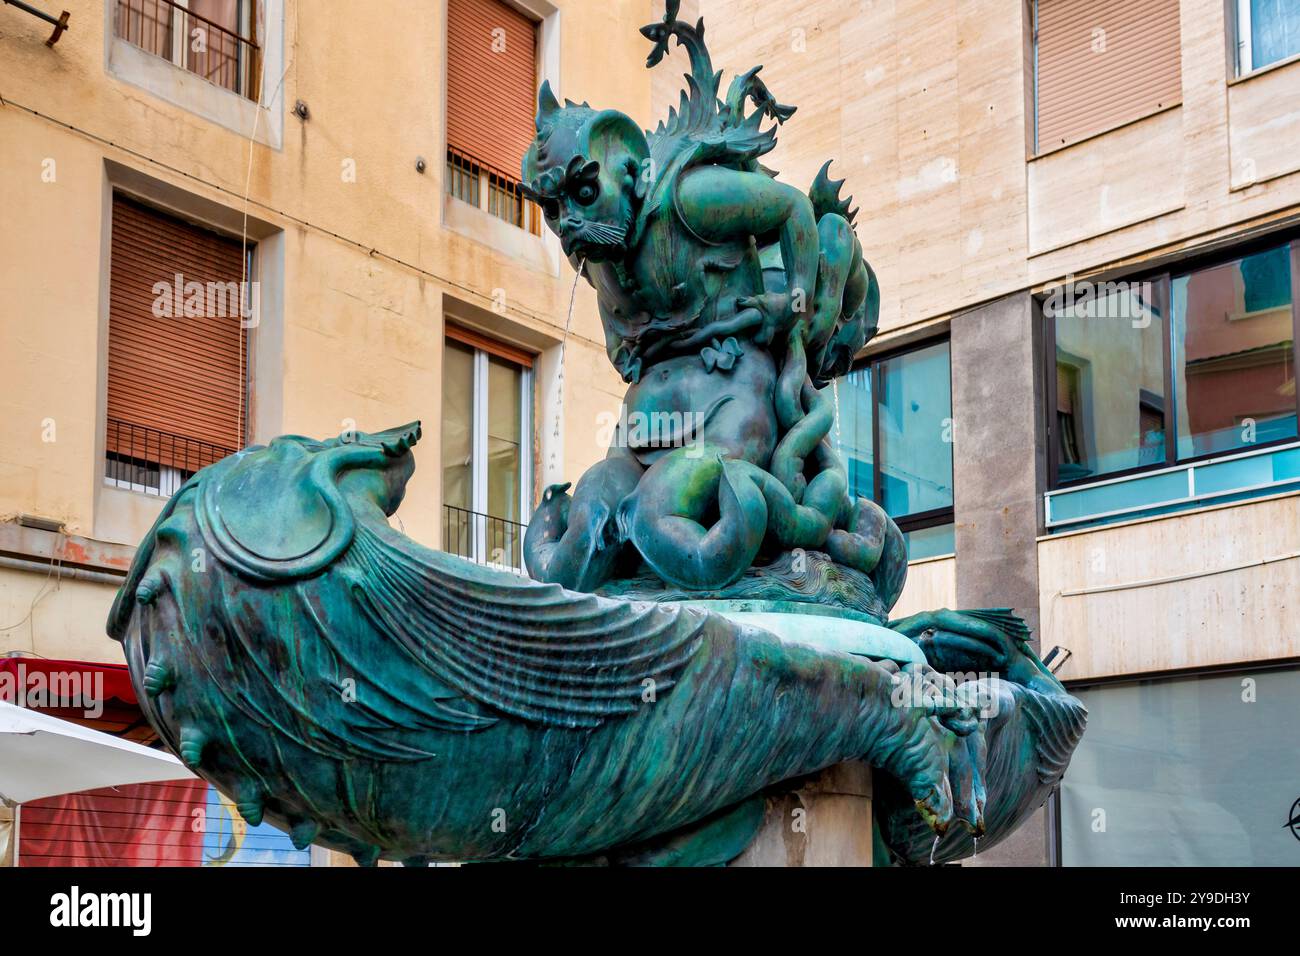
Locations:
{"points": [[43, 756]]}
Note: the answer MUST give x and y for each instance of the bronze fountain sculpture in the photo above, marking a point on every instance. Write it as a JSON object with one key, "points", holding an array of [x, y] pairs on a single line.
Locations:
{"points": [[707, 613]]}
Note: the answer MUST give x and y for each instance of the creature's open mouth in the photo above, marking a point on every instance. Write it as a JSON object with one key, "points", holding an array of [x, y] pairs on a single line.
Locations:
{"points": [[597, 241], [398, 441]]}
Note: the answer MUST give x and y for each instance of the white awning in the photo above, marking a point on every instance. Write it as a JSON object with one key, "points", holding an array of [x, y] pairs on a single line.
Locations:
{"points": [[43, 756]]}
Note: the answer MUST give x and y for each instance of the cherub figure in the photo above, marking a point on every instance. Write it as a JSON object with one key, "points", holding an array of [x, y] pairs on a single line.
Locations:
{"points": [[729, 300]]}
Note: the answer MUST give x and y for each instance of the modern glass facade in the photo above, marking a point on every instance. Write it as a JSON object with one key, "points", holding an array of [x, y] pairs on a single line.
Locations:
{"points": [[1189, 771], [1170, 371]]}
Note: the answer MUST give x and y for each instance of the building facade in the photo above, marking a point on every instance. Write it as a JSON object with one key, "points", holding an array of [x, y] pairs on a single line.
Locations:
{"points": [[225, 220], [1082, 403]]}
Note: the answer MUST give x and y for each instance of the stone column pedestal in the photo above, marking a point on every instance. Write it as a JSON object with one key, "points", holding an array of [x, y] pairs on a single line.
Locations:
{"points": [[825, 820]]}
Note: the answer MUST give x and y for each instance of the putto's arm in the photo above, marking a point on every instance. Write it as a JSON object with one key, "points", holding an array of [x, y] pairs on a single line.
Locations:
{"points": [[722, 204]]}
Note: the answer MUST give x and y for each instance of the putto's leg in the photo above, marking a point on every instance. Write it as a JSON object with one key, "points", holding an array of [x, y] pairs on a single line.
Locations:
{"points": [[573, 540], [666, 518], [860, 544]]}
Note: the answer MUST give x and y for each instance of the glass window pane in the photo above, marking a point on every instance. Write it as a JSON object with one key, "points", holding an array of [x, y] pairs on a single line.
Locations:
{"points": [[457, 425], [503, 439], [1186, 772], [1274, 31], [915, 432], [852, 433], [1234, 364], [931, 542], [1110, 380]]}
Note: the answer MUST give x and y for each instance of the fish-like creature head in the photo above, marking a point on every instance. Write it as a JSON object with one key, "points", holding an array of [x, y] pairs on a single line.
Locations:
{"points": [[282, 511], [372, 465], [587, 169]]}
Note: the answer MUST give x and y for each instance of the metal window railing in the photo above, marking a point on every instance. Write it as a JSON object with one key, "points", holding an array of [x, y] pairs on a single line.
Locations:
{"points": [[483, 539], [153, 461], [170, 30], [471, 180]]}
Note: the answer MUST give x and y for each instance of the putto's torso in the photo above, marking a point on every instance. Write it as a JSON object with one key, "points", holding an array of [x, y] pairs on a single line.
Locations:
{"points": [[672, 284]]}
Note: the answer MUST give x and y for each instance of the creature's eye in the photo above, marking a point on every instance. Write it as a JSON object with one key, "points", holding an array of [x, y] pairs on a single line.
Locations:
{"points": [[586, 193]]}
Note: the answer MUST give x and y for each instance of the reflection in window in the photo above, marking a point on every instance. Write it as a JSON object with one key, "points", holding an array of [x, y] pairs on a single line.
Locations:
{"points": [[904, 402], [915, 407], [1110, 403], [853, 430], [1267, 31], [1232, 343]]}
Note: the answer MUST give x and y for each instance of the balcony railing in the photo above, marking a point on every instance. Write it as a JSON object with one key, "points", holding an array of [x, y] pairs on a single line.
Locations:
{"points": [[478, 184], [152, 461], [484, 539], [170, 30]]}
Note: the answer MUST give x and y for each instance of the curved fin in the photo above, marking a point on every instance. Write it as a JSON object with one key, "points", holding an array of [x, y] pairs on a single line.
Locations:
{"points": [[534, 651], [825, 195]]}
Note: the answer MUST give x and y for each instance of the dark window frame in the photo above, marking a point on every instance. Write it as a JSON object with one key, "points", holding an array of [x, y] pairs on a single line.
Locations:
{"points": [[917, 520], [1162, 281]]}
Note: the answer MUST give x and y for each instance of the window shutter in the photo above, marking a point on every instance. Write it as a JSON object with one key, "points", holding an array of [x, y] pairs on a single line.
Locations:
{"points": [[1102, 63], [491, 94], [181, 376], [477, 340]]}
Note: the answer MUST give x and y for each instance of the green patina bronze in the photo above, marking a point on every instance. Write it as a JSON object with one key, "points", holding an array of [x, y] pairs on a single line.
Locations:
{"points": [[707, 614]]}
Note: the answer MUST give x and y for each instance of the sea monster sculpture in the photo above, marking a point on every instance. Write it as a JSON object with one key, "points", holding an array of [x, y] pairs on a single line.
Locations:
{"points": [[707, 613]]}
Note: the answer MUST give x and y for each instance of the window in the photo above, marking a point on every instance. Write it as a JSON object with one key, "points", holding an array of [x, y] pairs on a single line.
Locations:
{"points": [[1110, 406], [1268, 31], [1184, 772], [177, 349], [486, 448], [901, 407], [211, 38], [491, 97], [1234, 354], [1099, 64], [1162, 379]]}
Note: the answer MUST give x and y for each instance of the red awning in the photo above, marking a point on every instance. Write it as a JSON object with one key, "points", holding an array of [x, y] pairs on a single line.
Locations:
{"points": [[54, 675]]}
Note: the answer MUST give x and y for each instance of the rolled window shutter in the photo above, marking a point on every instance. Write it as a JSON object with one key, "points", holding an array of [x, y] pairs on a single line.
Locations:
{"points": [[175, 384], [491, 93], [477, 340], [1102, 63]]}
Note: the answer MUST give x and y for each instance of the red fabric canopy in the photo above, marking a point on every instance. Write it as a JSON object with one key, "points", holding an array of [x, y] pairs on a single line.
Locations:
{"points": [[147, 824], [116, 679]]}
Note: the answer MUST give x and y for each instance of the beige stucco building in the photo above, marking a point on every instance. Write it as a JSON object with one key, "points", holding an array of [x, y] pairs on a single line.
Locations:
{"points": [[359, 259], [988, 178]]}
